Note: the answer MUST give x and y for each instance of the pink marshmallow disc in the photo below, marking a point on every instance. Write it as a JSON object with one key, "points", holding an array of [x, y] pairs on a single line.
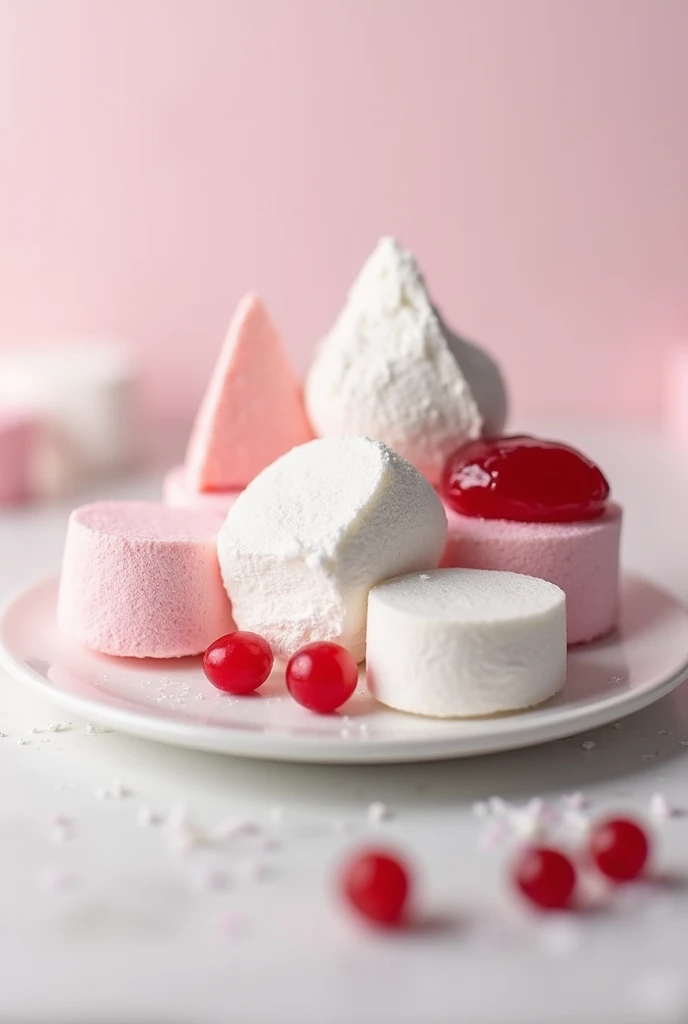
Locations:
{"points": [[18, 433], [142, 580], [178, 492], [581, 558]]}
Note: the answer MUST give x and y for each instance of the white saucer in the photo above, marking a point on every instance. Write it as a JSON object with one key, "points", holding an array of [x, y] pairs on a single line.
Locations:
{"points": [[171, 701]]}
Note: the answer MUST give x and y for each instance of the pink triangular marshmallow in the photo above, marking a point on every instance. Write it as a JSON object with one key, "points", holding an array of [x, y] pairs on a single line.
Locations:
{"points": [[252, 411]]}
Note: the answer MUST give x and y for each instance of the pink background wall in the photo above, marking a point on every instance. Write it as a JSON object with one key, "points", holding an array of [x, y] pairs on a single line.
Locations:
{"points": [[161, 156]]}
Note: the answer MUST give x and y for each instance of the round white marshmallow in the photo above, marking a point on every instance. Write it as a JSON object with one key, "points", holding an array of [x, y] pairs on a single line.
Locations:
{"points": [[391, 369], [310, 535], [463, 642]]}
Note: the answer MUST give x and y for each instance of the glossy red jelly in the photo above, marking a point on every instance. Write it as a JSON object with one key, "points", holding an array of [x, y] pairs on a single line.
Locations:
{"points": [[524, 479], [620, 848], [546, 877]]}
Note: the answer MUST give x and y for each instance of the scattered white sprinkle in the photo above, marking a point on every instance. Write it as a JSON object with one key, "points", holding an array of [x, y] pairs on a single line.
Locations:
{"points": [[24, 741], [665, 732], [616, 725], [661, 809], [58, 879], [588, 744], [424, 576], [576, 821], [481, 809], [3, 735], [96, 730], [200, 696], [497, 806], [232, 924], [257, 871], [236, 827], [146, 817], [377, 811], [210, 879], [683, 743], [574, 801], [53, 727], [63, 829], [493, 835], [363, 729], [115, 791], [651, 755]]}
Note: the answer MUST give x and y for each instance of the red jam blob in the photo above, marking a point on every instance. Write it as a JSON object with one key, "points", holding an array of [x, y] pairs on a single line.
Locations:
{"points": [[322, 676], [524, 479], [620, 848], [546, 877], [238, 662], [376, 884]]}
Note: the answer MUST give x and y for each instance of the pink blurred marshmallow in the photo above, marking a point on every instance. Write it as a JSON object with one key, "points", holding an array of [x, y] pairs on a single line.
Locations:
{"points": [[18, 433], [179, 493], [142, 580], [581, 558], [675, 410]]}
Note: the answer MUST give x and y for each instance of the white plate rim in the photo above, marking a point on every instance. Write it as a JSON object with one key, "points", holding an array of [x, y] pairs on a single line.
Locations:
{"points": [[537, 727]]}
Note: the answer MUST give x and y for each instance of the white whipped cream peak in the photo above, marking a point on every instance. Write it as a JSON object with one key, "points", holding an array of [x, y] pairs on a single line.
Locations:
{"points": [[390, 369]]}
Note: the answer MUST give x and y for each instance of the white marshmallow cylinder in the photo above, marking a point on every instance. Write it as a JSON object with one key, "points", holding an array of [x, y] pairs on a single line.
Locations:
{"points": [[85, 395], [465, 642], [310, 535]]}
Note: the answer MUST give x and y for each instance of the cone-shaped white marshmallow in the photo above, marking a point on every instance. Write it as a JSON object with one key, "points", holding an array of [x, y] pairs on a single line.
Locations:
{"points": [[461, 642], [253, 409], [304, 543], [390, 369]]}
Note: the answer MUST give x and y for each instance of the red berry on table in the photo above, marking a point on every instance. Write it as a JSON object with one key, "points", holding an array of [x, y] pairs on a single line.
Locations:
{"points": [[524, 479], [322, 676], [620, 848], [545, 876], [239, 662], [377, 885]]}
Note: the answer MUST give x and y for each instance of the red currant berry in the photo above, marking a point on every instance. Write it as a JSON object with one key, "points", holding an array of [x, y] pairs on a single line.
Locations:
{"points": [[239, 662], [322, 676], [620, 848], [524, 479], [545, 876], [377, 885]]}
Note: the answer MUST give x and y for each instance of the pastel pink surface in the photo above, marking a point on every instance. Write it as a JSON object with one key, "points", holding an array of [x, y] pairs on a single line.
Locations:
{"points": [[675, 408], [581, 558], [142, 580], [253, 409], [18, 433], [177, 493]]}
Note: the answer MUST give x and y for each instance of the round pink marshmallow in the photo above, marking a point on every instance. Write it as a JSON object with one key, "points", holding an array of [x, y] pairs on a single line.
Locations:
{"points": [[142, 580], [581, 558], [18, 433], [177, 493]]}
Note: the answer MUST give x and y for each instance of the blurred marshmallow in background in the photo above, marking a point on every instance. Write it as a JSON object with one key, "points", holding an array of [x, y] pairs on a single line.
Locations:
{"points": [[18, 433], [83, 395], [675, 406]]}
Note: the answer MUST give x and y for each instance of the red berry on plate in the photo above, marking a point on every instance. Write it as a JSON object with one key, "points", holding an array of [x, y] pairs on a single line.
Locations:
{"points": [[239, 662], [620, 848], [524, 479], [545, 876], [377, 885], [322, 676]]}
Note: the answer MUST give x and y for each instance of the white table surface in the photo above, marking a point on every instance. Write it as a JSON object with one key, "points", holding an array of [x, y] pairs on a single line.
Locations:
{"points": [[117, 924]]}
